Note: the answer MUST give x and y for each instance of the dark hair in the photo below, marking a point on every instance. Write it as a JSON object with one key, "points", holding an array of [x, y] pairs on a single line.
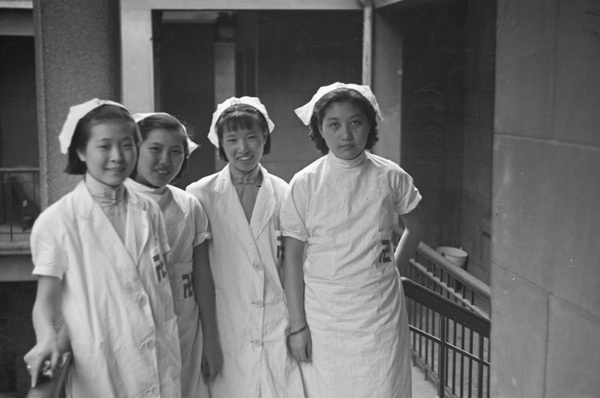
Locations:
{"points": [[341, 95], [241, 116], [169, 123], [81, 135]]}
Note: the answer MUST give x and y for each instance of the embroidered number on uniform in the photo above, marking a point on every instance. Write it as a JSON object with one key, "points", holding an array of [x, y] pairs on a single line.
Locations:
{"points": [[384, 257], [188, 286], [161, 269], [280, 249]]}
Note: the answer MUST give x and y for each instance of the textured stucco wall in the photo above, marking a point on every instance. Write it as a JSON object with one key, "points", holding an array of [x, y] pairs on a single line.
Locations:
{"points": [[545, 220], [77, 58]]}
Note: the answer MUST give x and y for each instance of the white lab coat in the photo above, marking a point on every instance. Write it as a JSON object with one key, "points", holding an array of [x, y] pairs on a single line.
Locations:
{"points": [[251, 313], [116, 299], [354, 302], [187, 227]]}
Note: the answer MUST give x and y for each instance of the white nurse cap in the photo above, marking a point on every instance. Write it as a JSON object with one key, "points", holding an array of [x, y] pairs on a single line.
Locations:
{"points": [[305, 112], [191, 144], [76, 113], [252, 101]]}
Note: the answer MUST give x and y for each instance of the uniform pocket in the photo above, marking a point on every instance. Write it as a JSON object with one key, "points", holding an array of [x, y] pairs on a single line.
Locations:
{"points": [[320, 258]]}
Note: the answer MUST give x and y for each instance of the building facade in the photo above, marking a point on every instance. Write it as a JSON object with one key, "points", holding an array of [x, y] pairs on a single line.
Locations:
{"points": [[492, 107]]}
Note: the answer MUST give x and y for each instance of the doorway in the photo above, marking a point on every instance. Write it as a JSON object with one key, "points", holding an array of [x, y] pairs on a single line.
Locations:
{"points": [[204, 57]]}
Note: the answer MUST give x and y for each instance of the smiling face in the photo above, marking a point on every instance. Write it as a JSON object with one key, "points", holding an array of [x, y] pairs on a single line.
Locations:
{"points": [[244, 147], [345, 129], [161, 155], [110, 152]]}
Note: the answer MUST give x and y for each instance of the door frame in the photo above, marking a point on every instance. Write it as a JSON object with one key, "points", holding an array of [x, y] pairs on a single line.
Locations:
{"points": [[137, 66]]}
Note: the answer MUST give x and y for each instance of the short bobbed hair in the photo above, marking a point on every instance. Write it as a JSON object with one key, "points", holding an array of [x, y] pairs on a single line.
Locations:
{"points": [[341, 95], [103, 114], [168, 123], [241, 116]]}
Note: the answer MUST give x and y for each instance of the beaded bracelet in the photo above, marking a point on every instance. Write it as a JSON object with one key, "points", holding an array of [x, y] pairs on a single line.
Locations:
{"points": [[299, 330]]}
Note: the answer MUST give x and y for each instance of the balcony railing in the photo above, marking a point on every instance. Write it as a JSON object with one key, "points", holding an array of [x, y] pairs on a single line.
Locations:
{"points": [[450, 325], [19, 202]]}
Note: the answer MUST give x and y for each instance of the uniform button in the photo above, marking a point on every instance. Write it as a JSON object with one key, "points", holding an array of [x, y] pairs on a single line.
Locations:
{"points": [[258, 303], [152, 391], [258, 266], [151, 344], [143, 300], [256, 342]]}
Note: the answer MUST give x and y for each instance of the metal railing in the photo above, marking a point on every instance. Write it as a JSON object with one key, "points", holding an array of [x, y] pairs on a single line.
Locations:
{"points": [[450, 325], [19, 202]]}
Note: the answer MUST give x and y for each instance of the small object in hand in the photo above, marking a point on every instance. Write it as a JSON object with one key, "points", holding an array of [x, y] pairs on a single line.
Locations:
{"points": [[28, 367], [46, 370]]}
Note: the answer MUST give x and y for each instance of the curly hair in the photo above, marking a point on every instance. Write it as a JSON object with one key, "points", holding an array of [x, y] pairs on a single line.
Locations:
{"points": [[170, 124], [241, 116], [341, 95], [102, 114]]}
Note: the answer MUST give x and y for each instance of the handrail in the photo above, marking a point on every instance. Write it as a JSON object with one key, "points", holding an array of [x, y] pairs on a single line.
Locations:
{"points": [[448, 308], [444, 286], [460, 274], [19, 169], [19, 204], [450, 334]]}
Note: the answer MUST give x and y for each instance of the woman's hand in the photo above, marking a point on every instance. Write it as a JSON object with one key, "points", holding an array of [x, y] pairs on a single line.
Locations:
{"points": [[300, 345], [43, 359], [212, 359]]}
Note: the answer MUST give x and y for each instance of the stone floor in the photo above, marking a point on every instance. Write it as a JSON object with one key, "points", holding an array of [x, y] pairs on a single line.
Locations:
{"points": [[422, 388]]}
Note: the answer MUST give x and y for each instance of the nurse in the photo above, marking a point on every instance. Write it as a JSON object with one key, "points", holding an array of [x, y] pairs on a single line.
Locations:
{"points": [[242, 202], [99, 253], [162, 160], [349, 326]]}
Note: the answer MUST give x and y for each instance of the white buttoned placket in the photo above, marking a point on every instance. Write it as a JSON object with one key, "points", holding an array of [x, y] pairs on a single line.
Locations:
{"points": [[250, 309], [258, 315]]}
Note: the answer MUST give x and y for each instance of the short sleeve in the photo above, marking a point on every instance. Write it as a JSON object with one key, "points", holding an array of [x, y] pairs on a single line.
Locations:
{"points": [[407, 195], [48, 247], [292, 216], [201, 226]]}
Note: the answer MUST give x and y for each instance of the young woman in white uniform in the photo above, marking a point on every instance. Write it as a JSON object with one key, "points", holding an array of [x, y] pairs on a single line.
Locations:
{"points": [[99, 254], [162, 160], [349, 326], [242, 202]]}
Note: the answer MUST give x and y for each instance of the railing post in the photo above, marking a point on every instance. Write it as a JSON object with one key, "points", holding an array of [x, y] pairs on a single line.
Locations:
{"points": [[480, 368], [442, 359]]}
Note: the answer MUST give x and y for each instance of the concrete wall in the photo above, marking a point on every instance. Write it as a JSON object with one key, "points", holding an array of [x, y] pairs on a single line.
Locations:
{"points": [[475, 214], [545, 221], [77, 56], [432, 111], [297, 53]]}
